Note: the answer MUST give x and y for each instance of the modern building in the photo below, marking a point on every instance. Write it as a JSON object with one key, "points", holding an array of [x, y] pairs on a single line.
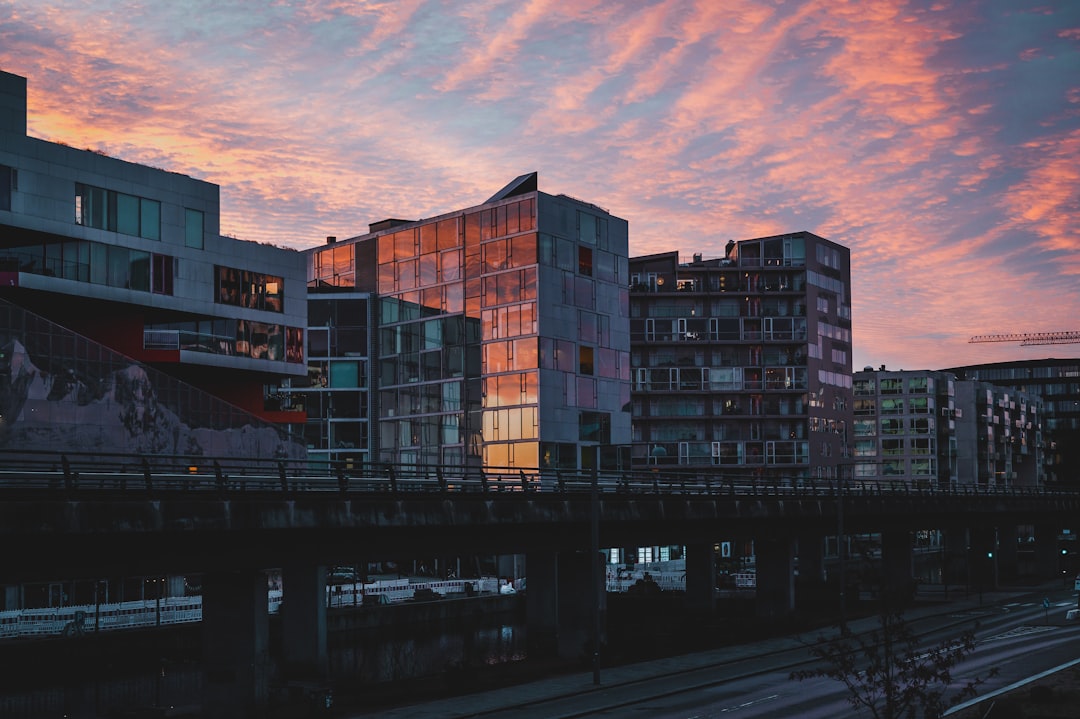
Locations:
{"points": [[336, 396], [743, 363], [499, 334], [110, 268], [926, 428], [1057, 382]]}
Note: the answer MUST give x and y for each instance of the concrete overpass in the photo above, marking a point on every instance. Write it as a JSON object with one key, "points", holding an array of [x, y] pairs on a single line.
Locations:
{"points": [[232, 520]]}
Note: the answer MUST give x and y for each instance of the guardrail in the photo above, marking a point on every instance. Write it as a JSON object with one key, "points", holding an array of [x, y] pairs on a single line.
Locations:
{"points": [[81, 619], [85, 473]]}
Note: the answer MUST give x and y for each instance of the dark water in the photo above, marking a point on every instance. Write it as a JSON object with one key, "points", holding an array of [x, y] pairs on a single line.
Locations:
{"points": [[379, 665]]}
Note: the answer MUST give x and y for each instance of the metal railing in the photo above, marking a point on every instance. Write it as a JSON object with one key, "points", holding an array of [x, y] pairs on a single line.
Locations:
{"points": [[90, 472]]}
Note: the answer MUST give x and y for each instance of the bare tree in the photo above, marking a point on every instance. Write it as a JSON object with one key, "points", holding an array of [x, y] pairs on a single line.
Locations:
{"points": [[889, 675]]}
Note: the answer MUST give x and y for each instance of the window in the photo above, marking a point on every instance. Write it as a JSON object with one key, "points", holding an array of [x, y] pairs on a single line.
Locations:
{"points": [[892, 386], [7, 184], [892, 406], [585, 360], [594, 427], [585, 261], [864, 386], [921, 425], [161, 278], [919, 385], [892, 426], [920, 445], [254, 290], [193, 228], [892, 446], [117, 212]]}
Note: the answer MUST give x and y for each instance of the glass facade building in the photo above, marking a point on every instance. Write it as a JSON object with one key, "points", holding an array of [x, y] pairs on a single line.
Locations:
{"points": [[335, 396], [500, 334]]}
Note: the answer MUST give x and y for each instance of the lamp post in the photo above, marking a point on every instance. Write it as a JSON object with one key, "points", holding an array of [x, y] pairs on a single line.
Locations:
{"points": [[594, 568]]}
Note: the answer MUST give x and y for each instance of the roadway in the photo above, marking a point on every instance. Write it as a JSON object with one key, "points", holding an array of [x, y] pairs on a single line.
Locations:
{"points": [[1014, 632]]}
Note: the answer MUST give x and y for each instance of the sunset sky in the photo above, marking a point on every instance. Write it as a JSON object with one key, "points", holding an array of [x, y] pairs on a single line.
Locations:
{"points": [[940, 141]]}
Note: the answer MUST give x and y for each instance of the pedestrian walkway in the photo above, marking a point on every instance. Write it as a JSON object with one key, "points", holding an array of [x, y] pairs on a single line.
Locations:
{"points": [[581, 683]]}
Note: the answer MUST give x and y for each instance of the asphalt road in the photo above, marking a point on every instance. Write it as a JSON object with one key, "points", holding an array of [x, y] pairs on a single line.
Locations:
{"points": [[1015, 634]]}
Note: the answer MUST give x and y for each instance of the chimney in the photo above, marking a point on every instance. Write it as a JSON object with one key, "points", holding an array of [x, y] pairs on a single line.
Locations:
{"points": [[331, 240]]}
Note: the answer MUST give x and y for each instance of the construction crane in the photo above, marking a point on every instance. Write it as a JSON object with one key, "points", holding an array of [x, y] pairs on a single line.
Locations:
{"points": [[1027, 339]]}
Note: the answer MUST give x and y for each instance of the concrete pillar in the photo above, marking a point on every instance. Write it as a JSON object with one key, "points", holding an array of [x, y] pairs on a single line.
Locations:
{"points": [[810, 584], [541, 604], [559, 604], [956, 571], [775, 577], [700, 577], [577, 617], [510, 566], [1008, 556], [983, 558], [235, 634], [303, 621], [1047, 551], [897, 568]]}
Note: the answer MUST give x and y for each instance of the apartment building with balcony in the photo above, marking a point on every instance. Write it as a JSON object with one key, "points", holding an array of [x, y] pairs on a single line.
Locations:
{"points": [[928, 429], [107, 265], [1057, 382], [743, 363], [499, 335]]}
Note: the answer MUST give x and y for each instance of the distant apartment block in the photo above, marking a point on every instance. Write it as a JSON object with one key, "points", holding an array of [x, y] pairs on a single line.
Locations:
{"points": [[1057, 382], [106, 263], [499, 337], [927, 429], [743, 363]]}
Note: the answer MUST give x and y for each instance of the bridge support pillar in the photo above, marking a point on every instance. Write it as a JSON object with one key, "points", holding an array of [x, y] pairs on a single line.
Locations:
{"points": [[897, 568], [235, 635], [559, 604], [810, 585], [955, 569], [983, 558], [700, 577], [542, 603], [1007, 554], [1047, 551], [303, 621], [775, 573]]}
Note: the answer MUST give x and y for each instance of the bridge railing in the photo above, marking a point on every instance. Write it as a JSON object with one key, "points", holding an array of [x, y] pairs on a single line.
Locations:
{"points": [[79, 619], [85, 472]]}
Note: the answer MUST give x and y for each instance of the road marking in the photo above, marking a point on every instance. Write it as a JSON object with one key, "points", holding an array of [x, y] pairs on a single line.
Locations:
{"points": [[751, 703], [1005, 690], [1019, 632]]}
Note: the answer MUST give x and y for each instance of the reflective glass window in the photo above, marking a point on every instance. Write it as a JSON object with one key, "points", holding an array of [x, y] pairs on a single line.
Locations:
{"points": [[193, 228], [127, 214], [150, 219], [523, 250]]}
